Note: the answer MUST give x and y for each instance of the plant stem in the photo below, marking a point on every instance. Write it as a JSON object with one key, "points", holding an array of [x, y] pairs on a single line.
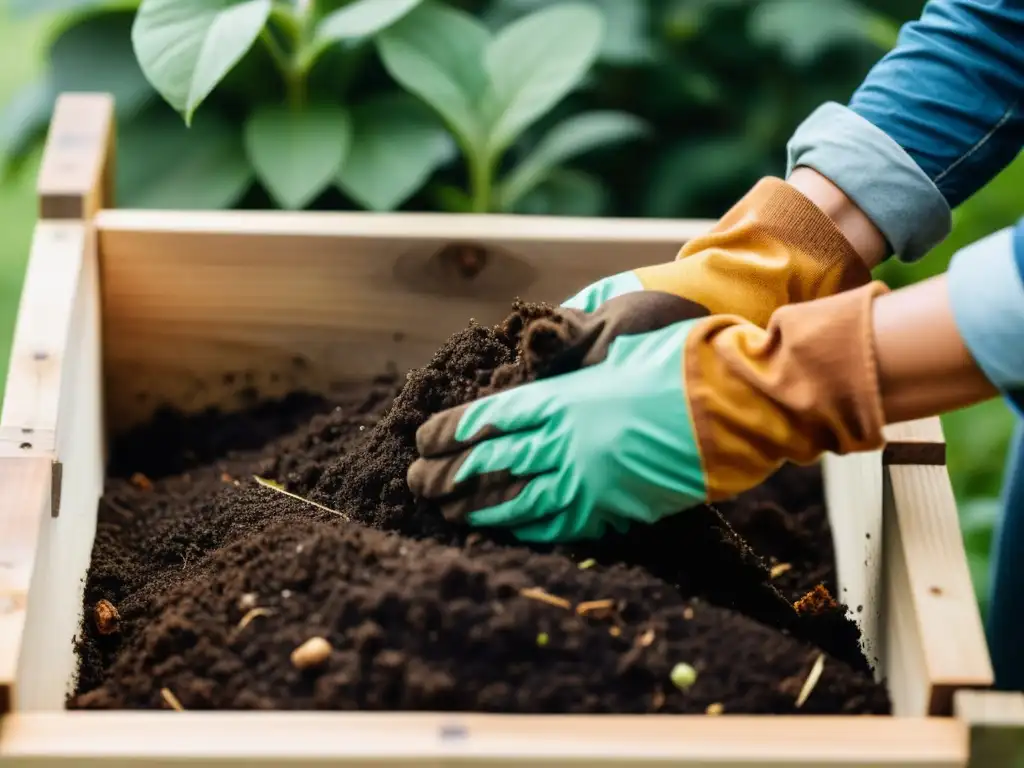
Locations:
{"points": [[480, 182]]}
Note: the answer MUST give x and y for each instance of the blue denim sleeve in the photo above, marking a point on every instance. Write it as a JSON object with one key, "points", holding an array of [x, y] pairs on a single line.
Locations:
{"points": [[986, 291], [934, 121]]}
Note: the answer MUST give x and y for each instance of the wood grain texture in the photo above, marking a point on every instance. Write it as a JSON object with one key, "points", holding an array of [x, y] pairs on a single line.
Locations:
{"points": [[915, 442], [77, 170], [223, 740], [934, 632], [995, 722], [211, 308], [25, 485], [853, 498]]}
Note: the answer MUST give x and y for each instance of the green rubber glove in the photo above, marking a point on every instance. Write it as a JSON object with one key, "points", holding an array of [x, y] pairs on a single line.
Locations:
{"points": [[596, 294], [536, 458]]}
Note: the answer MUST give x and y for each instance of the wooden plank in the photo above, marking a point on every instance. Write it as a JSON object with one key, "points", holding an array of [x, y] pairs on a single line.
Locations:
{"points": [[853, 498], [29, 422], [995, 722], [935, 643], [206, 309], [25, 484], [77, 171], [201, 740], [915, 442], [48, 662]]}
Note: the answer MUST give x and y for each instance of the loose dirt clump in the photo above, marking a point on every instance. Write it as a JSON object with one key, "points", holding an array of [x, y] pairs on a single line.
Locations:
{"points": [[220, 582]]}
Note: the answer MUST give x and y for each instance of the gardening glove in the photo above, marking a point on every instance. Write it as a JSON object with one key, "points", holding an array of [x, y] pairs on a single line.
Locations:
{"points": [[660, 421], [774, 247]]}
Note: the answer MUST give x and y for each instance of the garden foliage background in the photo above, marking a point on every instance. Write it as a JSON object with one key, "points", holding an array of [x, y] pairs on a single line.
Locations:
{"points": [[659, 108]]}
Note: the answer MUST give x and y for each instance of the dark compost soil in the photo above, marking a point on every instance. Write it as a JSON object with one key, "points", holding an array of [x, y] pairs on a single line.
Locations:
{"points": [[204, 582]]}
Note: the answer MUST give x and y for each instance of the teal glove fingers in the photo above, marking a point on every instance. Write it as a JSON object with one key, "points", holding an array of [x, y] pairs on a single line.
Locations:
{"points": [[596, 294], [567, 457]]}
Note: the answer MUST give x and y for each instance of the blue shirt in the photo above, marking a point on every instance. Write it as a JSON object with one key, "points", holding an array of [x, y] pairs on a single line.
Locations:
{"points": [[934, 121]]}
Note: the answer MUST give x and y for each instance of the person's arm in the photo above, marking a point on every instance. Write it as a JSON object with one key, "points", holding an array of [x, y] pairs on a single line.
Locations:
{"points": [[694, 411], [934, 121]]}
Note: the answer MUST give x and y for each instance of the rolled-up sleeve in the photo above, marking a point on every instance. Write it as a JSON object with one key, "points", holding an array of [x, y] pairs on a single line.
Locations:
{"points": [[986, 284], [934, 121]]}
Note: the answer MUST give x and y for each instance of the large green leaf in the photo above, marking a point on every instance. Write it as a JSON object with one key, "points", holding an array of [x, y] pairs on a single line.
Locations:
{"points": [[163, 164], [185, 47], [297, 154], [566, 193], [396, 145], [95, 54], [570, 138], [804, 30], [23, 121], [437, 53], [363, 18], [534, 62]]}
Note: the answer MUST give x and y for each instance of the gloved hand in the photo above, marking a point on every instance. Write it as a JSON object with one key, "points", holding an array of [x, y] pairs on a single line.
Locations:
{"points": [[774, 247], [658, 421]]}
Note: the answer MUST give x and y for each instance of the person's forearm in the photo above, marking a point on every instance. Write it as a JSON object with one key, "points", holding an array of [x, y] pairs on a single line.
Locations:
{"points": [[866, 239], [924, 367]]}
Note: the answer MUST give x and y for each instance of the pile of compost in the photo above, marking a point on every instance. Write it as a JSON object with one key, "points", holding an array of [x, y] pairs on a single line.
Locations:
{"points": [[212, 588]]}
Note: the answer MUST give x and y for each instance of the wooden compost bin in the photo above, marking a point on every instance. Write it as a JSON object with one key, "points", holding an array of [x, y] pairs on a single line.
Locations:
{"points": [[123, 310]]}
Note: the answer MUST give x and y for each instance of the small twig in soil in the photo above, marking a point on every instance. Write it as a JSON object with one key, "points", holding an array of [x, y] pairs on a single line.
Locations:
{"points": [[281, 489], [598, 609], [811, 681], [252, 615], [646, 638], [536, 593], [171, 700], [779, 568]]}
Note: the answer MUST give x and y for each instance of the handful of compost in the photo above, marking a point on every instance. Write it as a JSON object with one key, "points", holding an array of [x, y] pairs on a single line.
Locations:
{"points": [[662, 407]]}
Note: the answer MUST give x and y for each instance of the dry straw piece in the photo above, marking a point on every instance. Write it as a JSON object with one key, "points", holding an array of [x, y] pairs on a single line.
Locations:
{"points": [[811, 681]]}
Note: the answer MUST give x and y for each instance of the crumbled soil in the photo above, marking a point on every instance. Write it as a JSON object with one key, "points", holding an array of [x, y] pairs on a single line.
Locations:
{"points": [[215, 580]]}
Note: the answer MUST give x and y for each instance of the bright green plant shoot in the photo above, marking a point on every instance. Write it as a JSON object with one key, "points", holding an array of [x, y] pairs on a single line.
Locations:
{"points": [[489, 89]]}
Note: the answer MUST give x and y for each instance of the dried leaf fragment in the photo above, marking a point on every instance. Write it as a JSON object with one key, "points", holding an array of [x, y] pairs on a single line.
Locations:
{"points": [[811, 681], [536, 593], [171, 700], [780, 568], [598, 609], [646, 638], [311, 653], [142, 482], [108, 620]]}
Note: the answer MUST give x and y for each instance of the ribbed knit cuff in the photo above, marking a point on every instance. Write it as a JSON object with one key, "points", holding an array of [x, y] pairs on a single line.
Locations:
{"points": [[877, 174]]}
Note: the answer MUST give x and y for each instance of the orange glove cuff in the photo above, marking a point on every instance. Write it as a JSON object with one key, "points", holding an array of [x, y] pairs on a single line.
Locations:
{"points": [[805, 385], [774, 247]]}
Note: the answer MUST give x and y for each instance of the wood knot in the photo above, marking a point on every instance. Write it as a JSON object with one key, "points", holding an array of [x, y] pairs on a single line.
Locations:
{"points": [[468, 260]]}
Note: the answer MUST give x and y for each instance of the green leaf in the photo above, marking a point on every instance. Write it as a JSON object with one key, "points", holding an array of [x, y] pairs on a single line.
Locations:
{"points": [[803, 31], [396, 145], [451, 199], [23, 120], [163, 164], [185, 47], [297, 154], [628, 39], [95, 54], [566, 193], [570, 138], [437, 53], [24, 8], [534, 62], [363, 18]]}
